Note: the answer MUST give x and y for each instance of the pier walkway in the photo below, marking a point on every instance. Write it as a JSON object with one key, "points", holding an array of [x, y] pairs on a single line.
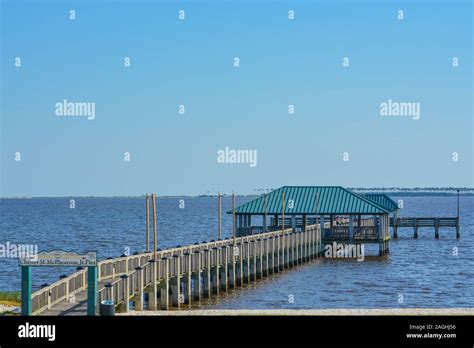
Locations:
{"points": [[182, 275]]}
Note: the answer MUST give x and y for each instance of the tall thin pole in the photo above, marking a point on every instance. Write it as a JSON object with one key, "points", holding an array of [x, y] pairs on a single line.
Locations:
{"points": [[265, 210], [233, 217], [458, 205], [147, 224], [316, 209], [219, 231], [154, 224], [282, 211]]}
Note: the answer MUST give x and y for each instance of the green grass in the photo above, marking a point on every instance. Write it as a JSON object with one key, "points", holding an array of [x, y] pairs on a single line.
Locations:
{"points": [[10, 297]]}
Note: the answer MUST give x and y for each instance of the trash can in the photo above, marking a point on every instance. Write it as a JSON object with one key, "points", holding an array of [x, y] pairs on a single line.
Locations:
{"points": [[107, 308]]}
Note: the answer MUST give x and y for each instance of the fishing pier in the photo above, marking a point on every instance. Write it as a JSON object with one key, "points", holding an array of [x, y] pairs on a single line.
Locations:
{"points": [[273, 233]]}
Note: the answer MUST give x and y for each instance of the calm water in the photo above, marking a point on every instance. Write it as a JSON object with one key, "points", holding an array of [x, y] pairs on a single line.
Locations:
{"points": [[423, 271]]}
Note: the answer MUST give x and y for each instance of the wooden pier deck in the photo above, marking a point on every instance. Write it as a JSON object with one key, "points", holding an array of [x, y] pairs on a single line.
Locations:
{"points": [[182, 275]]}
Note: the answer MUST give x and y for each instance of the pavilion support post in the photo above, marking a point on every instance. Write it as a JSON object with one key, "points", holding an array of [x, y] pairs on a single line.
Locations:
{"points": [[351, 228], [308, 245], [322, 232]]}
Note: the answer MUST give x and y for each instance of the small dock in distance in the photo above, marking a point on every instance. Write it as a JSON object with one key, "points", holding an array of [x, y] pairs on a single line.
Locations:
{"points": [[416, 223]]}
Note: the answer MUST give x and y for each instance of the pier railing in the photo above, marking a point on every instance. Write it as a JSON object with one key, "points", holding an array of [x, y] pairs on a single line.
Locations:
{"points": [[124, 275], [341, 233]]}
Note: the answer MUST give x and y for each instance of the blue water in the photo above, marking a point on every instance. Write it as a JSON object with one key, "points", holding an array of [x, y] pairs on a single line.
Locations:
{"points": [[423, 271]]}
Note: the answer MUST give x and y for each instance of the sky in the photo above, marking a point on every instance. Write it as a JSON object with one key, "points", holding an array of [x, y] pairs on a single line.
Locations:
{"points": [[336, 136]]}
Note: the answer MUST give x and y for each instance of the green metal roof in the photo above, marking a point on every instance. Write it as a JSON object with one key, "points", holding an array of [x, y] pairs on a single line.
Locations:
{"points": [[383, 200], [331, 200]]}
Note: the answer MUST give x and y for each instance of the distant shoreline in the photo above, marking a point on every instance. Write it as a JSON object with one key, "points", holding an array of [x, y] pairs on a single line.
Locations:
{"points": [[441, 193]]}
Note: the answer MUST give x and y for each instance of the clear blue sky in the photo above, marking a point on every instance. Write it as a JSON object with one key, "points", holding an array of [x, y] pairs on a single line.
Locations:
{"points": [[190, 62]]}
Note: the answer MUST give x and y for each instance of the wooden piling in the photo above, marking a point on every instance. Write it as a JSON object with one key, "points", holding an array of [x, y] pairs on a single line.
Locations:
{"points": [[139, 297], [215, 271], [196, 276], [239, 275], [153, 291], [126, 292], [176, 283], [246, 263], [266, 255], [223, 276], [233, 218], [154, 225], [219, 222], [147, 223], [207, 274], [188, 279], [253, 261], [165, 287]]}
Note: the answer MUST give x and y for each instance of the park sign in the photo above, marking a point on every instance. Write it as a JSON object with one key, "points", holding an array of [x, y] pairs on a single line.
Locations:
{"points": [[60, 258]]}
